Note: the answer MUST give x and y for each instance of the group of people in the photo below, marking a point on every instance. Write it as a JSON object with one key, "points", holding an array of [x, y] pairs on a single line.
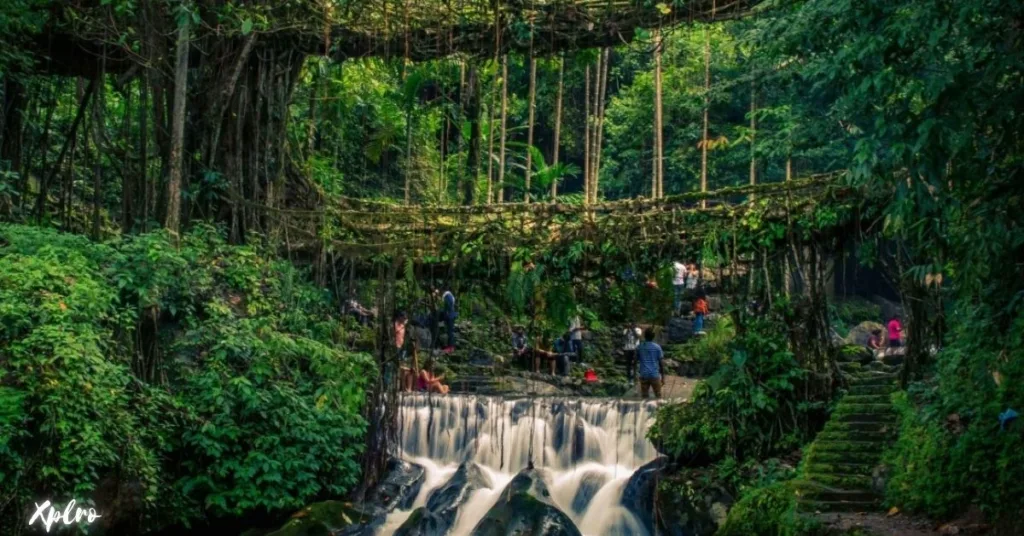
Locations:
{"points": [[895, 335], [409, 373], [565, 350]]}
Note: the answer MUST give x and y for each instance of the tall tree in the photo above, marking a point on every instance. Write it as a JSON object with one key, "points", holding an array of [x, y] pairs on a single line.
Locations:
{"points": [[558, 125], [657, 187], [707, 108], [504, 128], [529, 128], [174, 177], [586, 135]]}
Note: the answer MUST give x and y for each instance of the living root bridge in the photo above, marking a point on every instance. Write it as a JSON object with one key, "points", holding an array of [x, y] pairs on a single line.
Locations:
{"points": [[359, 228]]}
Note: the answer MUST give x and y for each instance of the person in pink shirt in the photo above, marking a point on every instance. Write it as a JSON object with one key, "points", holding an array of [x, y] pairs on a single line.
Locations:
{"points": [[895, 328]]}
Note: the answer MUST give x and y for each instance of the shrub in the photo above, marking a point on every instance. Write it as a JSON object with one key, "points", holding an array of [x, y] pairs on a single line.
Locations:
{"points": [[243, 398]]}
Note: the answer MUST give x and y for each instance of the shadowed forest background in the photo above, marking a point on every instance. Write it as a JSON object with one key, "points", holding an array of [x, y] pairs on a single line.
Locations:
{"points": [[191, 190]]}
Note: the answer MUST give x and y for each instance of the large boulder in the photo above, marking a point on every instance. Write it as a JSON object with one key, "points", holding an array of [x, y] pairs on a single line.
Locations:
{"points": [[399, 487], [526, 509], [859, 334], [638, 495], [442, 508], [851, 353]]}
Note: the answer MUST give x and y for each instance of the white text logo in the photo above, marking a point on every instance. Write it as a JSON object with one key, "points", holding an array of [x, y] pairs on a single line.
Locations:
{"points": [[68, 516]]}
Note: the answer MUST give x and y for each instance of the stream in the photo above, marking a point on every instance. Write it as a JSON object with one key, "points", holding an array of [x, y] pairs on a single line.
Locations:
{"points": [[472, 447]]}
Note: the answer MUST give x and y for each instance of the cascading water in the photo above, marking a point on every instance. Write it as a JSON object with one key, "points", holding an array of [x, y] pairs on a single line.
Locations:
{"points": [[586, 451]]}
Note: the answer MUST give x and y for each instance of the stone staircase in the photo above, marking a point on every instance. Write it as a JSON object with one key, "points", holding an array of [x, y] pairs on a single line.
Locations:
{"points": [[839, 465]]}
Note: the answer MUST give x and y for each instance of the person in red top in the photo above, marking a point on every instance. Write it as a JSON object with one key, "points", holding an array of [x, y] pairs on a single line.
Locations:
{"points": [[700, 308], [895, 328]]}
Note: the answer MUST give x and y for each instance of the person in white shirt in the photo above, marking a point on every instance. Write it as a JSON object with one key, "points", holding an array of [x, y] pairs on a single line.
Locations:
{"points": [[692, 274], [576, 337], [678, 284], [630, 340]]}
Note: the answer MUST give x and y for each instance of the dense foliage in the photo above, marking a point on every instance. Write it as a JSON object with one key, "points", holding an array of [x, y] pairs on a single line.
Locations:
{"points": [[200, 381], [753, 407]]}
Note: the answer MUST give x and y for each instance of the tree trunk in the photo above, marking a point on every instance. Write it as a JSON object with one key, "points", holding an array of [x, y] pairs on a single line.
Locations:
{"points": [[13, 115], [558, 126], [599, 130], [490, 138], [753, 133], [707, 106], [529, 129], [144, 184], [658, 187], [473, 158], [174, 177], [68, 142], [504, 130], [99, 103], [586, 136]]}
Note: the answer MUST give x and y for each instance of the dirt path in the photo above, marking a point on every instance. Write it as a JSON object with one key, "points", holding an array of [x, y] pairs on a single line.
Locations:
{"points": [[674, 388], [878, 524]]}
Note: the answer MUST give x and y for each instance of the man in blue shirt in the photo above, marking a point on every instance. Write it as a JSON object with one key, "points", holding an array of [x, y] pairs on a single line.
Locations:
{"points": [[649, 356]]}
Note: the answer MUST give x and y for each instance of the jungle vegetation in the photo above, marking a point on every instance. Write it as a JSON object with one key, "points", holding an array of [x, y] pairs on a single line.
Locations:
{"points": [[186, 186]]}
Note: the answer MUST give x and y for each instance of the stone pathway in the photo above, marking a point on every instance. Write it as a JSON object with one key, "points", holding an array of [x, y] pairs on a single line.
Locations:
{"points": [[840, 462]]}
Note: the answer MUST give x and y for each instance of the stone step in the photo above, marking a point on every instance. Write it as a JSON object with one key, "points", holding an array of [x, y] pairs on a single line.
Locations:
{"points": [[875, 426], [881, 436], [845, 408], [842, 481], [814, 491], [872, 389], [873, 378], [817, 467], [843, 456], [866, 399], [884, 418], [845, 446], [825, 507]]}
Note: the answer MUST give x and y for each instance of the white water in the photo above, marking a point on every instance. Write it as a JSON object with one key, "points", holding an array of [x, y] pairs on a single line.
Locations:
{"points": [[593, 443]]}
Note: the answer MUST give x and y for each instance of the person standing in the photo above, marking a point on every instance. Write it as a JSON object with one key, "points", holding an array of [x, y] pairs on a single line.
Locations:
{"points": [[399, 323], [692, 275], [576, 337], [630, 340], [700, 308], [650, 357], [520, 350], [895, 328], [448, 315], [678, 286]]}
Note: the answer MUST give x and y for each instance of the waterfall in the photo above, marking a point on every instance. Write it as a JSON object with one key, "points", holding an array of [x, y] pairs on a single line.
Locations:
{"points": [[588, 448]]}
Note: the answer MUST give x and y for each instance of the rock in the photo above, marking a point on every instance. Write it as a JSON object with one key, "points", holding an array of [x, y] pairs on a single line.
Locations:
{"points": [[638, 495], [590, 484], [534, 386], [438, 516], [526, 508], [329, 518], [894, 356], [879, 479], [855, 354], [859, 334], [483, 358], [671, 364], [399, 487]]}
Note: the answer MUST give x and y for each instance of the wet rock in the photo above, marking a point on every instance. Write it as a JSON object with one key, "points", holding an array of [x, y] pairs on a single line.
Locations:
{"points": [[330, 518], [526, 508], [638, 495], [438, 516], [399, 487], [590, 484], [859, 334]]}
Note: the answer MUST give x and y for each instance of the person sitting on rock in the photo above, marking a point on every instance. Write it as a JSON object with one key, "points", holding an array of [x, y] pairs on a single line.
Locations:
{"points": [[520, 349], [530, 357], [430, 383]]}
